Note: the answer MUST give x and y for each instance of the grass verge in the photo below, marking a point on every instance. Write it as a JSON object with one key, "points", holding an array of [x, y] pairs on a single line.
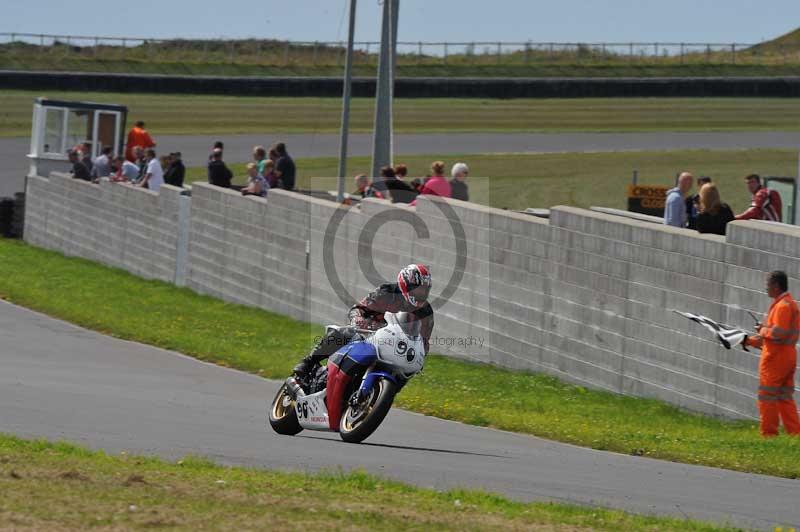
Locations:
{"points": [[518, 181], [117, 303], [186, 114], [82, 489]]}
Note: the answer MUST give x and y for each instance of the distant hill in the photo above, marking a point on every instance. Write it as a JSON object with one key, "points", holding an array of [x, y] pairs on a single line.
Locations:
{"points": [[790, 42]]}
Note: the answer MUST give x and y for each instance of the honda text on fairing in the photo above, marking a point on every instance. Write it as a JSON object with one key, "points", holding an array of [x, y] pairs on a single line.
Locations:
{"points": [[353, 393]]}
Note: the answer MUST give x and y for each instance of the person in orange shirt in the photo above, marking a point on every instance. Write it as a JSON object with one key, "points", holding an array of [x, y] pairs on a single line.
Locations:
{"points": [[777, 339], [138, 136]]}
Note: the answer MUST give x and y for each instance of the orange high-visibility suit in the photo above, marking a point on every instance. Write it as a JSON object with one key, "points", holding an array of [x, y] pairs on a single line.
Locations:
{"points": [[137, 137], [777, 339]]}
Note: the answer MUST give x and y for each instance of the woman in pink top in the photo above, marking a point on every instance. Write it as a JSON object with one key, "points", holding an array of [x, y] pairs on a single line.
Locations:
{"points": [[437, 184]]}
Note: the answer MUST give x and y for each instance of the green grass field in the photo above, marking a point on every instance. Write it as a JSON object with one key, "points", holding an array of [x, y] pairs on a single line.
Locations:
{"points": [[57, 486], [224, 115], [117, 303], [518, 181]]}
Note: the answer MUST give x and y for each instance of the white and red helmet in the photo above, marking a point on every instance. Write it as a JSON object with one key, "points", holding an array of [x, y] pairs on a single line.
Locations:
{"points": [[415, 284]]}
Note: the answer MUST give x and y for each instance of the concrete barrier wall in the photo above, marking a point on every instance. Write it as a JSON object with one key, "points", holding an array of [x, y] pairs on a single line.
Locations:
{"points": [[585, 296], [130, 228]]}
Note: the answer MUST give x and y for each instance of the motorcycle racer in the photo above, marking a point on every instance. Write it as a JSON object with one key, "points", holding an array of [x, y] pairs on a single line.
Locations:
{"points": [[409, 294]]}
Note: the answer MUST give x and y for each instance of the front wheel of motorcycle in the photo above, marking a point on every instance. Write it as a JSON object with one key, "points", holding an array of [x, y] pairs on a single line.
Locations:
{"points": [[361, 420], [282, 415]]}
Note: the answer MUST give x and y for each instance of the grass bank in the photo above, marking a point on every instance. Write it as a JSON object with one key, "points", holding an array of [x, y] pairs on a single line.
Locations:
{"points": [[117, 303], [518, 181], [184, 114], [57, 486]]}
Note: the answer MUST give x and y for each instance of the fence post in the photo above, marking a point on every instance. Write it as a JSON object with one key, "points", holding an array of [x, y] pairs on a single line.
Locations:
{"points": [[314, 56], [231, 45], [655, 49], [96, 45], [681, 53], [527, 52], [41, 44], [499, 52], [445, 53], [630, 52], [733, 53], [286, 54], [708, 53], [124, 45]]}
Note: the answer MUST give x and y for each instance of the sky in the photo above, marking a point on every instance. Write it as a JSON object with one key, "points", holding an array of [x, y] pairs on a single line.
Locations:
{"points": [[742, 21]]}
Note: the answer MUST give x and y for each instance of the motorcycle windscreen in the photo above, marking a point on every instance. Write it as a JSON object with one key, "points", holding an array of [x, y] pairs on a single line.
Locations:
{"points": [[411, 326]]}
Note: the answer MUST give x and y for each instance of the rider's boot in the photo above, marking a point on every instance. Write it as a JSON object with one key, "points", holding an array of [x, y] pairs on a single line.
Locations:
{"points": [[328, 344]]}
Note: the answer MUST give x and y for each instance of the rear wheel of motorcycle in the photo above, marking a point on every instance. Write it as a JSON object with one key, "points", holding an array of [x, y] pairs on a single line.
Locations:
{"points": [[282, 415], [358, 422]]}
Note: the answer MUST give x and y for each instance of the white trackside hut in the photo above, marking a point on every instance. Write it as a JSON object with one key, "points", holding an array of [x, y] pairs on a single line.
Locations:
{"points": [[59, 126]]}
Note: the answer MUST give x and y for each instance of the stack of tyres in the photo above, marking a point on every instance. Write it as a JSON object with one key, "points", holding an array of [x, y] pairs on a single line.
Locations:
{"points": [[12, 216], [6, 216]]}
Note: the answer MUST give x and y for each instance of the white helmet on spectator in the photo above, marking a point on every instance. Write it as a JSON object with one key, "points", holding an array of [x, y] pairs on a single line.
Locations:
{"points": [[459, 169]]}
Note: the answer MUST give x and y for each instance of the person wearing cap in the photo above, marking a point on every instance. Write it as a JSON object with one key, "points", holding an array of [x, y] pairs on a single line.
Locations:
{"points": [[458, 187], [175, 171], [79, 170]]}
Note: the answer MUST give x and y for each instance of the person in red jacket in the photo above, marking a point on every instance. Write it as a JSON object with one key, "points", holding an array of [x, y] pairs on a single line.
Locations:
{"points": [[437, 184], [766, 204], [777, 339], [138, 136], [409, 294]]}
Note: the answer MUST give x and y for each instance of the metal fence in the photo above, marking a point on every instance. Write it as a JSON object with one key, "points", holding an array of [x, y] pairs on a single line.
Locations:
{"points": [[273, 52]]}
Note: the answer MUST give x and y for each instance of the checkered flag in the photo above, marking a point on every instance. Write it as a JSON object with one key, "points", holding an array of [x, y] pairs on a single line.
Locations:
{"points": [[728, 336]]}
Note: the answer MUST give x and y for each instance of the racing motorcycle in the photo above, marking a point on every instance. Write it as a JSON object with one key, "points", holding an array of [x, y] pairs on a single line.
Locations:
{"points": [[353, 393]]}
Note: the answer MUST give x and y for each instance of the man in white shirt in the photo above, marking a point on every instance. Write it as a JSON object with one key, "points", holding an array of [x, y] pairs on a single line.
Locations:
{"points": [[154, 175]]}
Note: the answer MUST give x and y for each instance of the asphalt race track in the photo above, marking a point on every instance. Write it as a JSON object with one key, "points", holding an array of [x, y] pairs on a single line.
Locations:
{"points": [[59, 381], [238, 148]]}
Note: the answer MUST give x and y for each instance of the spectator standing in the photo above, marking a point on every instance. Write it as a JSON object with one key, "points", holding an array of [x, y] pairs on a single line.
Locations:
{"points": [[713, 215], [777, 339], [86, 156], [400, 191], [765, 205], [101, 166], [218, 173], [269, 173], [401, 171], [126, 171], [458, 186], [284, 167], [437, 184], [138, 136], [693, 202], [365, 189], [256, 184], [140, 160], [154, 175], [176, 171], [675, 210], [260, 156], [79, 170]]}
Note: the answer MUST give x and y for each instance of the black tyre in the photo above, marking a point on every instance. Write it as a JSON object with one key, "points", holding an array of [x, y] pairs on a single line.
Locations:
{"points": [[359, 422], [282, 415]]}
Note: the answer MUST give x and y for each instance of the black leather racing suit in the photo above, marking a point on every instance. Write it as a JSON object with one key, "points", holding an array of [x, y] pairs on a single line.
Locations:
{"points": [[369, 314]]}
